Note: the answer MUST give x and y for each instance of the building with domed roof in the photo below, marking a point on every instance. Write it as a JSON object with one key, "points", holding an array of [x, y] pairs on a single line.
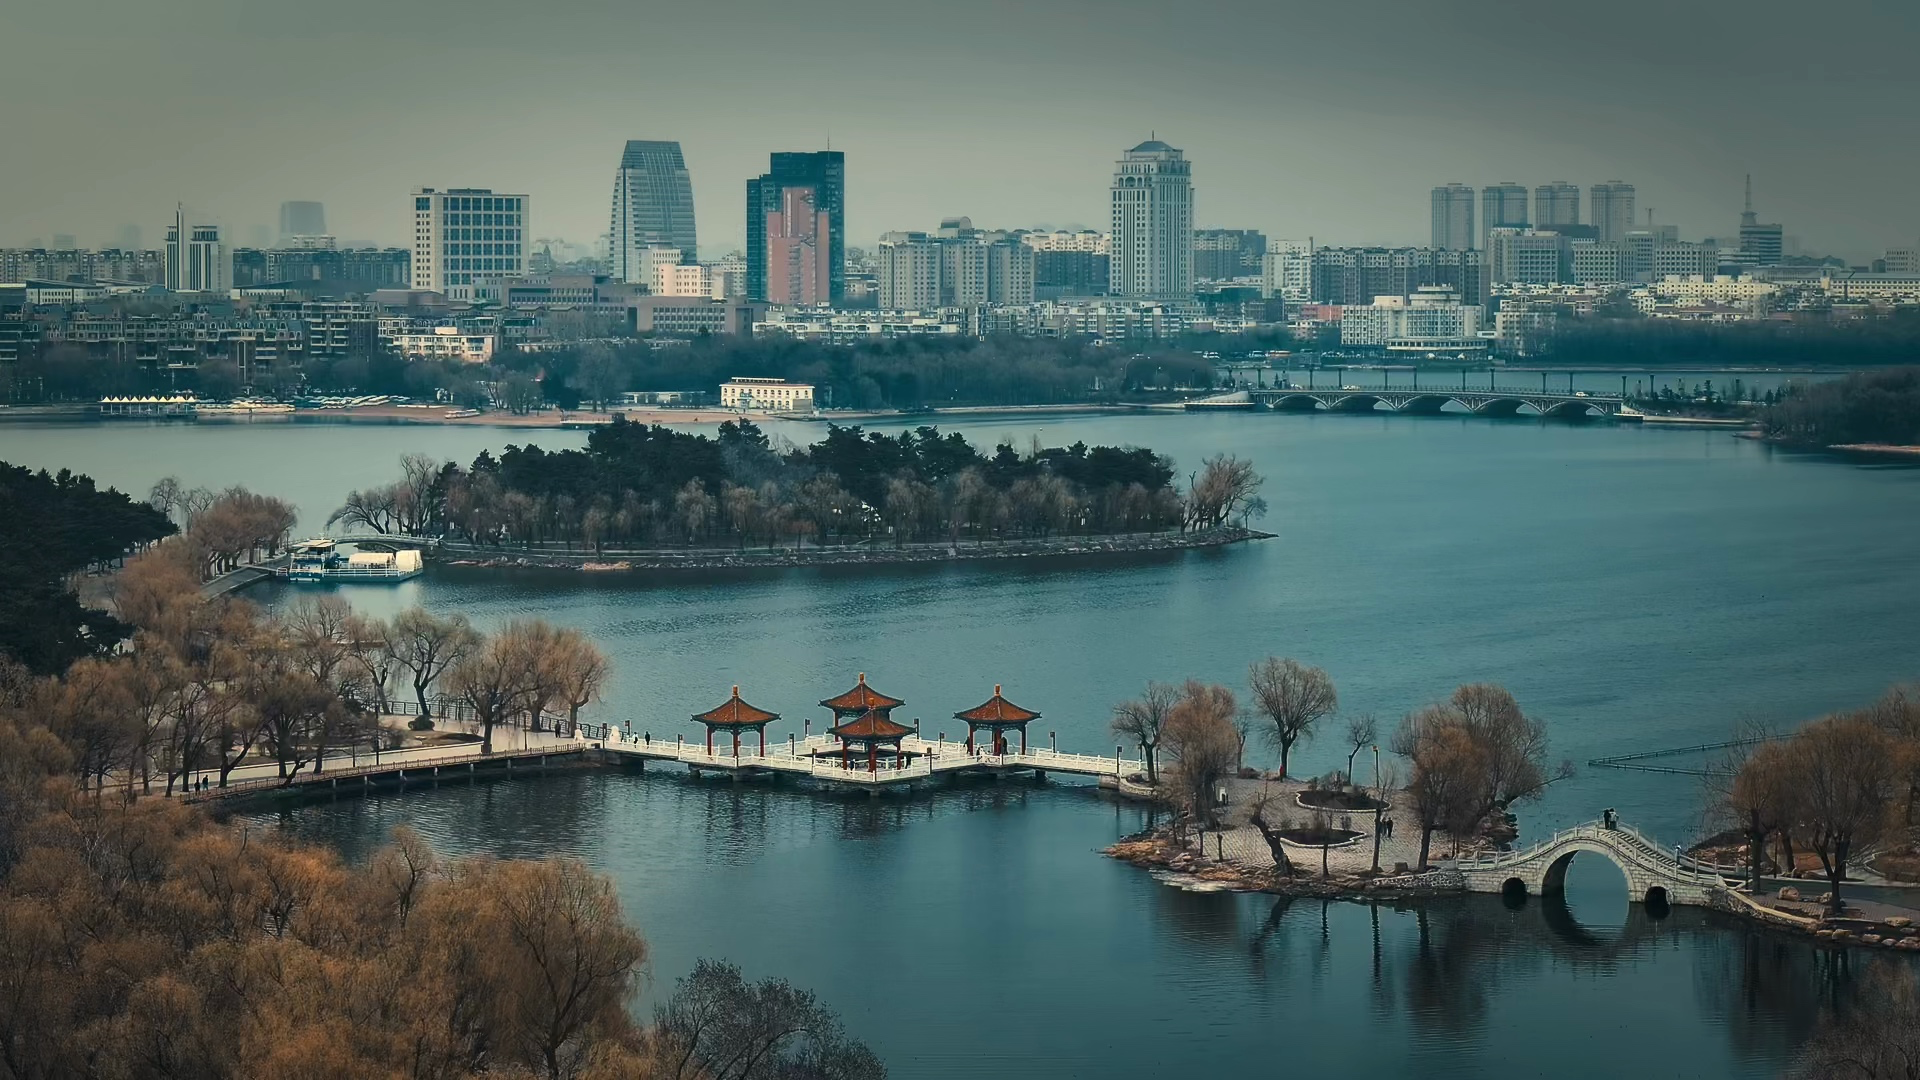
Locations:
{"points": [[1151, 247]]}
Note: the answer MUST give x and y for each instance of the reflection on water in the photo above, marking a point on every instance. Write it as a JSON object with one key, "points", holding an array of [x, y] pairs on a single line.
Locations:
{"points": [[979, 930]]}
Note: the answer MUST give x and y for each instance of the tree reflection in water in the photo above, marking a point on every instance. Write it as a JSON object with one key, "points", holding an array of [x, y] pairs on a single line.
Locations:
{"points": [[1439, 963]]}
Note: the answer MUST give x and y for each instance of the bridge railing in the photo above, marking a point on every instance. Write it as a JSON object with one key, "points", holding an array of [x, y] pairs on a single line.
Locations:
{"points": [[1441, 391], [1638, 843]]}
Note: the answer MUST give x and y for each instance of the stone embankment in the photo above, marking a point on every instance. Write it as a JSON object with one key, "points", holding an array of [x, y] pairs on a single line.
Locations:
{"points": [[865, 555]]}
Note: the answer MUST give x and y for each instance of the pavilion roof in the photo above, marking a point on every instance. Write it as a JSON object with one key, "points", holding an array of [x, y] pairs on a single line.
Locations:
{"points": [[997, 710], [734, 712], [872, 724], [861, 698]]}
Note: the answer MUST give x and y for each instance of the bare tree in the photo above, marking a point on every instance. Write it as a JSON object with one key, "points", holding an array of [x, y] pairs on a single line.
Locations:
{"points": [[1270, 824], [1362, 731], [1850, 778], [718, 1026], [1144, 720], [428, 646], [1293, 697], [1200, 734], [1449, 775], [582, 669], [1755, 792], [502, 677]]}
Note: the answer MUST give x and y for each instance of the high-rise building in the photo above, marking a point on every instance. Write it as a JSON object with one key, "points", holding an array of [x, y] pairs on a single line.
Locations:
{"points": [[1357, 275], [652, 207], [1557, 203], [1152, 241], [1530, 257], [958, 266], [1287, 270], [1069, 263], [1611, 207], [799, 251], [196, 259], [1502, 206], [823, 172], [301, 219], [1599, 262], [1453, 217], [467, 238], [1761, 244], [1225, 254]]}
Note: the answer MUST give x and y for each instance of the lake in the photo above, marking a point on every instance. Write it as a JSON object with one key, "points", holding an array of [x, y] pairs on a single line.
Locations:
{"points": [[1638, 589]]}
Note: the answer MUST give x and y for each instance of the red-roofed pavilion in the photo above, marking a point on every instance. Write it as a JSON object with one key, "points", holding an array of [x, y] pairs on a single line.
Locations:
{"points": [[998, 716], [872, 730], [736, 716], [861, 700]]}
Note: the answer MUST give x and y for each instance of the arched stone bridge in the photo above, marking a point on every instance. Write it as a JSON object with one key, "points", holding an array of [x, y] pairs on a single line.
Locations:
{"points": [[1654, 874], [1492, 401]]}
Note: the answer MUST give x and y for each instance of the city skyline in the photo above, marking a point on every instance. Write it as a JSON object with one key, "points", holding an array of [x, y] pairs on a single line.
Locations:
{"points": [[1583, 102]]}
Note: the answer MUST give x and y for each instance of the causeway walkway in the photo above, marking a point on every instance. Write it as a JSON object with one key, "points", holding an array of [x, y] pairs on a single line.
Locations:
{"points": [[818, 758]]}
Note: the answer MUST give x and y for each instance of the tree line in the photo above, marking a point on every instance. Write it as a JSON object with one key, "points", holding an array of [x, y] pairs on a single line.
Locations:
{"points": [[1842, 787], [204, 689], [637, 485], [1807, 338], [141, 940], [1469, 758], [1865, 407], [57, 526], [897, 373]]}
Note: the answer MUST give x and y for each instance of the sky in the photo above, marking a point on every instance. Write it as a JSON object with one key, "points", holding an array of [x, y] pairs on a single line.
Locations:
{"points": [[1322, 120]]}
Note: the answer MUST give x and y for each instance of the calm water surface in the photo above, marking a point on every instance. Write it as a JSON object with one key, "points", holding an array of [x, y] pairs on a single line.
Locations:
{"points": [[1638, 589]]}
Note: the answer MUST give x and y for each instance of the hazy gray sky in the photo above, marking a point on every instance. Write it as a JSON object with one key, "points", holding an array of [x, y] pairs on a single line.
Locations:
{"points": [[1329, 120]]}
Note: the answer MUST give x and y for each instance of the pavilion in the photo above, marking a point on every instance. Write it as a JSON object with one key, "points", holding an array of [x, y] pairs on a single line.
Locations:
{"points": [[871, 730], [736, 716], [859, 701], [998, 716]]}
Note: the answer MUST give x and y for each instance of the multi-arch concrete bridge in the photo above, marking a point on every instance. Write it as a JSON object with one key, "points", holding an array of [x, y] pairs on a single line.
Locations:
{"points": [[1491, 401], [1654, 874]]}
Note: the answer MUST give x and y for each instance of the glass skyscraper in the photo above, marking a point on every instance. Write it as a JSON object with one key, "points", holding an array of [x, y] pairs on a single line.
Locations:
{"points": [[652, 207], [825, 171]]}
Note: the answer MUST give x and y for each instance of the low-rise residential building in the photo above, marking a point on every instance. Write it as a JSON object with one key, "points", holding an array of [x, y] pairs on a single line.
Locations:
{"points": [[79, 264], [691, 316], [1432, 320], [1744, 293], [444, 343], [774, 395], [833, 326]]}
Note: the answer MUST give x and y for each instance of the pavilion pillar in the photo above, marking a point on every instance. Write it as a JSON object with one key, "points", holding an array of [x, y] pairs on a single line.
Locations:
{"points": [[763, 741], [844, 762], [873, 757], [1023, 738], [736, 742], [709, 742]]}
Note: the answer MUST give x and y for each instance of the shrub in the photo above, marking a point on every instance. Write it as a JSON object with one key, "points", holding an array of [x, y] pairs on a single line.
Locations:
{"points": [[420, 723]]}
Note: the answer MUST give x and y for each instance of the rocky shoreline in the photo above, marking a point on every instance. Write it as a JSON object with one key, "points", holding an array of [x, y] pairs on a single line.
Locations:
{"points": [[711, 559], [1175, 865]]}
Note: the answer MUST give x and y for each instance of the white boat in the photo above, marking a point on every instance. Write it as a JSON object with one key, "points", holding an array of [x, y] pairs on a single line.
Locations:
{"points": [[320, 562]]}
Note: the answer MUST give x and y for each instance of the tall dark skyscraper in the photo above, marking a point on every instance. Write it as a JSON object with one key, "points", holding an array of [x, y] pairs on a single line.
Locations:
{"points": [[1761, 244], [302, 219], [1502, 206], [652, 206], [825, 171]]}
